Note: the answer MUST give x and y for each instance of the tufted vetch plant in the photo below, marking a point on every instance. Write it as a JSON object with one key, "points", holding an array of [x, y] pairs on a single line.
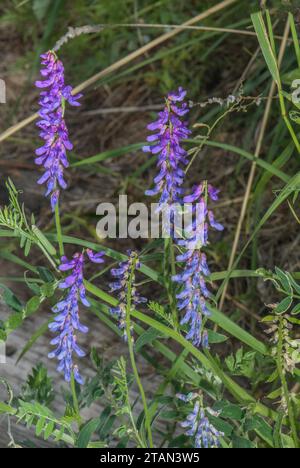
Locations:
{"points": [[183, 339]]}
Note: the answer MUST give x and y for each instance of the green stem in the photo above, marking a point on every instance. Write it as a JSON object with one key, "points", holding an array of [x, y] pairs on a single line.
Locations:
{"points": [[135, 430], [285, 388], [132, 355], [286, 119], [58, 230], [172, 257], [51, 261], [169, 259], [75, 400]]}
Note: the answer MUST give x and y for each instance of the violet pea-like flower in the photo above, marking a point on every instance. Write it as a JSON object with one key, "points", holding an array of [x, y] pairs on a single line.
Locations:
{"points": [[53, 130], [66, 322], [197, 425], [194, 294], [166, 142]]}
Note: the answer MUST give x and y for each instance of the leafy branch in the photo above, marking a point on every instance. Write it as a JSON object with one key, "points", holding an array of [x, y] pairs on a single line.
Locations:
{"points": [[13, 218]]}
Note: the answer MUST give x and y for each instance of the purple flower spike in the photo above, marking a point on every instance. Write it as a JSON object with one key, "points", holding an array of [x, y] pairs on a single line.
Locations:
{"points": [[169, 131], [66, 322], [198, 426], [124, 274], [194, 294], [53, 130]]}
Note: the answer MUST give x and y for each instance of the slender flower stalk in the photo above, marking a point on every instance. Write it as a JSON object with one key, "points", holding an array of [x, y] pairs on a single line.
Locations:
{"points": [[169, 131], [59, 230], [287, 354], [129, 297], [121, 277], [194, 293], [197, 424], [53, 130], [66, 322]]}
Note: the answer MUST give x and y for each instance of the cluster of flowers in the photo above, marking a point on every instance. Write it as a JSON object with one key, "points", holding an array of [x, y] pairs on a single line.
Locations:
{"points": [[194, 293], [198, 426], [66, 322], [53, 130], [166, 142], [124, 278], [169, 130], [168, 183]]}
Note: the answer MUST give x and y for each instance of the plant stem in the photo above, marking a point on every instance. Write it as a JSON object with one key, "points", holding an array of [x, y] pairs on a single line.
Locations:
{"points": [[136, 432], [282, 376], [58, 229], [75, 400], [169, 259], [132, 356], [51, 261]]}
